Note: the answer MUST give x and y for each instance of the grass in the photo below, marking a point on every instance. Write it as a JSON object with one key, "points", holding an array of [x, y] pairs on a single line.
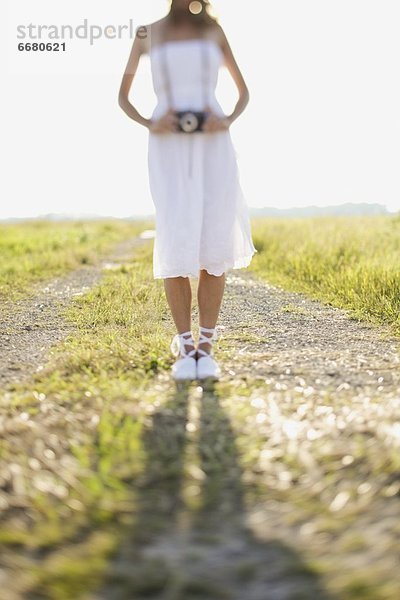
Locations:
{"points": [[348, 262], [101, 454], [35, 250], [98, 385]]}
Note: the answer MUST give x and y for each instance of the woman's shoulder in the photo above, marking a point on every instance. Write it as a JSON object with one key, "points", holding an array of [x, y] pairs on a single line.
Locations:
{"points": [[216, 33], [151, 33], [214, 28], [156, 25], [156, 30]]}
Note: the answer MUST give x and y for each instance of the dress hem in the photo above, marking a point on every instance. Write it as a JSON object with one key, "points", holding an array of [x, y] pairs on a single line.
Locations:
{"points": [[240, 263]]}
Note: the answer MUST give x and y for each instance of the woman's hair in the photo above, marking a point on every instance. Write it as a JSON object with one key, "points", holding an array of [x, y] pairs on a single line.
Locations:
{"points": [[203, 19]]}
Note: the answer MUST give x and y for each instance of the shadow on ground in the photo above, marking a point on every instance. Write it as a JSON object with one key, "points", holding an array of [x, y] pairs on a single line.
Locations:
{"points": [[199, 549]]}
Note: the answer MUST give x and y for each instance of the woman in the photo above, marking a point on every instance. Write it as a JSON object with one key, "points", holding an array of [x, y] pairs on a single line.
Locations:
{"points": [[202, 223]]}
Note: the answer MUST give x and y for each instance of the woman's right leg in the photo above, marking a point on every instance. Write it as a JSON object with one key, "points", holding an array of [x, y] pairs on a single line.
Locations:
{"points": [[178, 292]]}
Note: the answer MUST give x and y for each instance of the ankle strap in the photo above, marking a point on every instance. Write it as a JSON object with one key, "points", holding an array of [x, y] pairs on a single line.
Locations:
{"points": [[205, 339], [178, 344]]}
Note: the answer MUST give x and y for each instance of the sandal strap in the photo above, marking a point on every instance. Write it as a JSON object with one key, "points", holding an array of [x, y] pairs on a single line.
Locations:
{"points": [[205, 339], [178, 344]]}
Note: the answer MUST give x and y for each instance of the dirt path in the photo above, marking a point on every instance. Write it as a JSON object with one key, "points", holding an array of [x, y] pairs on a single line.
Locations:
{"points": [[29, 327], [320, 420], [292, 335], [297, 341], [292, 454]]}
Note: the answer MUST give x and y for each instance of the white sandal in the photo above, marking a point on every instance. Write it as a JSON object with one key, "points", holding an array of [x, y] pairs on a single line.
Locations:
{"points": [[207, 366], [184, 367]]}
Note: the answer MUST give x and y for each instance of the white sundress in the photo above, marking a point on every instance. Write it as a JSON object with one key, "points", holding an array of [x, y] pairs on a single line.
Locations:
{"points": [[201, 216]]}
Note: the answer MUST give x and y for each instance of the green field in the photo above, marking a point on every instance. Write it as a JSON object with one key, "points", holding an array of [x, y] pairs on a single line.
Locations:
{"points": [[350, 262], [84, 463], [36, 250]]}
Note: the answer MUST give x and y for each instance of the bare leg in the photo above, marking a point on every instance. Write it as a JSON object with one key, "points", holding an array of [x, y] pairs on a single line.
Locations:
{"points": [[178, 292], [209, 295]]}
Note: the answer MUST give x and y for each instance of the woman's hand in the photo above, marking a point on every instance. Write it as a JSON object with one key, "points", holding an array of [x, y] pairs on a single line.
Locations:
{"points": [[215, 123], [168, 123]]}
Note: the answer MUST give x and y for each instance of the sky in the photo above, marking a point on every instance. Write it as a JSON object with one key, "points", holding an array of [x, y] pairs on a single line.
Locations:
{"points": [[322, 126]]}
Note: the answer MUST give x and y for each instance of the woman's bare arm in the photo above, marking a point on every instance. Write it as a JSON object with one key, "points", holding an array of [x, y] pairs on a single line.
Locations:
{"points": [[232, 66], [138, 48]]}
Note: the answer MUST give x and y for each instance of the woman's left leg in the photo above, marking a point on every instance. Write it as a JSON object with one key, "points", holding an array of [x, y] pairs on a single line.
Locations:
{"points": [[210, 293]]}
